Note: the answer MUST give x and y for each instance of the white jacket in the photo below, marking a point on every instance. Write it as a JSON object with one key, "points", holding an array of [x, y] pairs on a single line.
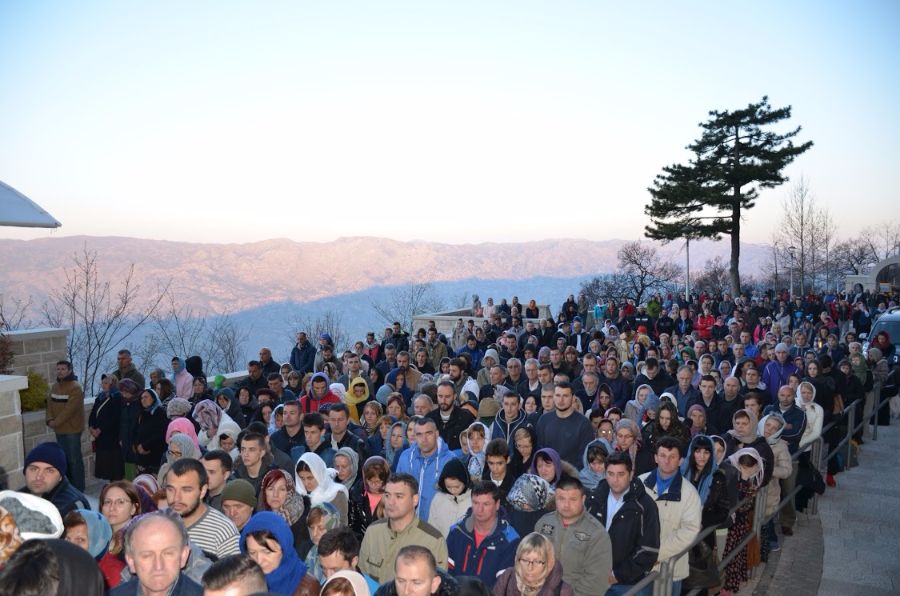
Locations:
{"points": [[680, 521], [782, 469], [446, 510]]}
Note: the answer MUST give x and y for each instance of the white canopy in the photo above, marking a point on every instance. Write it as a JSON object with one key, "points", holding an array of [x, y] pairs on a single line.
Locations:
{"points": [[18, 210]]}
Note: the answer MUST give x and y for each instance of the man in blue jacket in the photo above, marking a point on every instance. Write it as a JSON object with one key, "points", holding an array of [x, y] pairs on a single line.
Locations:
{"points": [[482, 544], [424, 462]]}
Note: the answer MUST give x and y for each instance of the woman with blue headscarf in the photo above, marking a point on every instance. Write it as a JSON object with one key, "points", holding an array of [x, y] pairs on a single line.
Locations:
{"points": [[268, 540], [701, 470], [92, 532]]}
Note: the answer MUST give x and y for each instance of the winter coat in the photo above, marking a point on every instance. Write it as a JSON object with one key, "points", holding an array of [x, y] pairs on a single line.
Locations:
{"points": [[584, 550], [553, 586], [634, 532], [106, 416], [485, 560], [427, 470], [65, 406], [680, 519]]}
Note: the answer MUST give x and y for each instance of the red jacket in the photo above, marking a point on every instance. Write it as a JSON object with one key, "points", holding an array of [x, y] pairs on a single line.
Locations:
{"points": [[704, 325]]}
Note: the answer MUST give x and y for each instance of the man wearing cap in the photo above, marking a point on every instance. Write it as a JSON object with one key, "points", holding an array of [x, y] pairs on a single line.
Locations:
{"points": [[65, 415], [45, 476], [239, 502], [778, 372]]}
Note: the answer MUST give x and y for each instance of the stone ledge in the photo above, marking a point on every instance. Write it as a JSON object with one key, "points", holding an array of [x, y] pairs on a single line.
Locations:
{"points": [[37, 333]]}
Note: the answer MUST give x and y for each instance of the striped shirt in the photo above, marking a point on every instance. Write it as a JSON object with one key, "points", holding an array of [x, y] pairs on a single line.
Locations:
{"points": [[215, 534]]}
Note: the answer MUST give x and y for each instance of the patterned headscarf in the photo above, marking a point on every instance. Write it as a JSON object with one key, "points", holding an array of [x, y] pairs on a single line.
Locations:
{"points": [[530, 492], [292, 509]]}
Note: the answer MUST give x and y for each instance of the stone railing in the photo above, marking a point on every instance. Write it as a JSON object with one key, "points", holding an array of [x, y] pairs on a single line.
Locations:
{"points": [[12, 450], [445, 322]]}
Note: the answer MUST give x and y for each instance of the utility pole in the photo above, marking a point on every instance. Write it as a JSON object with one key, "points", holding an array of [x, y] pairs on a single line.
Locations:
{"points": [[791, 250]]}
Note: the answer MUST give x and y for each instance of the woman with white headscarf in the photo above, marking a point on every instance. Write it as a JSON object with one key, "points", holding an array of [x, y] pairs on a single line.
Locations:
{"points": [[317, 481]]}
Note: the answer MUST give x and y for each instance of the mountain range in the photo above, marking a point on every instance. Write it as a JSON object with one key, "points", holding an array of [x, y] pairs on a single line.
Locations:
{"points": [[266, 284]]}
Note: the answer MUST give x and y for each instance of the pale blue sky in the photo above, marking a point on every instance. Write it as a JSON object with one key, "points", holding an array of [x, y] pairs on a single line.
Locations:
{"points": [[457, 122]]}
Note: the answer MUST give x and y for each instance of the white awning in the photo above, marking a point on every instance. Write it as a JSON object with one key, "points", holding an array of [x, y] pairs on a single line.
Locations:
{"points": [[18, 210]]}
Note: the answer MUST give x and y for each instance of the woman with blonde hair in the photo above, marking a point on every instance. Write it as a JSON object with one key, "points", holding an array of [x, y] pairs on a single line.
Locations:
{"points": [[535, 573]]}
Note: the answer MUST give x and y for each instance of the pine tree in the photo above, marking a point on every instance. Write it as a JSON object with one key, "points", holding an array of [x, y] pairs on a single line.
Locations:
{"points": [[735, 157]]}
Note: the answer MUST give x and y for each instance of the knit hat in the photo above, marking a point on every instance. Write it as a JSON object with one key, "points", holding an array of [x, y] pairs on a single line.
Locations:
{"points": [[781, 347], [241, 491], [488, 407], [48, 453]]}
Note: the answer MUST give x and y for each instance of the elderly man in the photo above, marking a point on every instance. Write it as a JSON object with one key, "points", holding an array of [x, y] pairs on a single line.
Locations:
{"points": [[156, 550]]}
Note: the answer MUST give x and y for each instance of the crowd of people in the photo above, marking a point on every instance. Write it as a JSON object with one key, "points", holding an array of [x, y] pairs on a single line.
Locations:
{"points": [[520, 456]]}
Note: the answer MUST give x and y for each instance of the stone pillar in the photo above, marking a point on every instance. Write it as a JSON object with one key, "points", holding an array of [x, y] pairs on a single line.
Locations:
{"points": [[38, 350], [12, 456]]}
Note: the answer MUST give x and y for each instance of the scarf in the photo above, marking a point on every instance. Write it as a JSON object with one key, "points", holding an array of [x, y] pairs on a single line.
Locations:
{"points": [[554, 457], [208, 414], [354, 403], [292, 509], [326, 488], [694, 429], [332, 519], [706, 474], [631, 426], [286, 577], [353, 456], [389, 452], [530, 492], [589, 478], [750, 435], [184, 427], [156, 402], [761, 428], [185, 445], [861, 370], [760, 472]]}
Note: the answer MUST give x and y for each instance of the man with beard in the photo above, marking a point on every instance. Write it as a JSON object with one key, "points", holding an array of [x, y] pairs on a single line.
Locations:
{"points": [[449, 419], [590, 385], [411, 375], [462, 383], [208, 528]]}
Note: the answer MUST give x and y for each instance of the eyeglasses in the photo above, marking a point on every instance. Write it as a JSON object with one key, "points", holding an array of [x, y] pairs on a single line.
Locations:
{"points": [[532, 562], [174, 453], [116, 502]]}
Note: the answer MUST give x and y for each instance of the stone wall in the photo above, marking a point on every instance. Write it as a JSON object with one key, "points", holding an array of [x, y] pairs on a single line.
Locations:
{"points": [[36, 431], [12, 453], [38, 350]]}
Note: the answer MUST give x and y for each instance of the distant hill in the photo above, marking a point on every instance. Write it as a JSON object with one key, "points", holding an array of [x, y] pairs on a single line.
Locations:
{"points": [[269, 286], [237, 277]]}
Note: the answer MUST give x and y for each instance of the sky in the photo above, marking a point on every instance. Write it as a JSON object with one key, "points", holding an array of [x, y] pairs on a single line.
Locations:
{"points": [[459, 122]]}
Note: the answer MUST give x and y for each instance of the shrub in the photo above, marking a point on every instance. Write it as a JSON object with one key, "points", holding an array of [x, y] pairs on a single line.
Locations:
{"points": [[35, 397], [6, 356]]}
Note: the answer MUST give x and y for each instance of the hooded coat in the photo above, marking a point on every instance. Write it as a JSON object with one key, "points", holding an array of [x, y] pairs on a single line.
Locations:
{"points": [[447, 509], [427, 470]]}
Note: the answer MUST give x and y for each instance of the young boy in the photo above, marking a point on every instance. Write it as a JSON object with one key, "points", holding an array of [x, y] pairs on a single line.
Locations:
{"points": [[497, 469]]}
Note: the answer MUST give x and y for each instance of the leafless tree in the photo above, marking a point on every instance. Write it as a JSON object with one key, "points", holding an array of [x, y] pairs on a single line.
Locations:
{"points": [[853, 256], [15, 313], [407, 301], [883, 239], [797, 227], [184, 331], [640, 273], [100, 317], [330, 322], [715, 277], [463, 301]]}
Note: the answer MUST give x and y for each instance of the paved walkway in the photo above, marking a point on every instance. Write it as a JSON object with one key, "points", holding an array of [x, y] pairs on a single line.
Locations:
{"points": [[850, 548]]}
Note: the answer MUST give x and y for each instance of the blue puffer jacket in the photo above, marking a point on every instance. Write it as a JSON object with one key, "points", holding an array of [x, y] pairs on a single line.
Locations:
{"points": [[487, 560]]}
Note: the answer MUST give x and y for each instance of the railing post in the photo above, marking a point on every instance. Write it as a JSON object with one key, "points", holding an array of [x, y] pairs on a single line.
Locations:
{"points": [[851, 425], [815, 460]]}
